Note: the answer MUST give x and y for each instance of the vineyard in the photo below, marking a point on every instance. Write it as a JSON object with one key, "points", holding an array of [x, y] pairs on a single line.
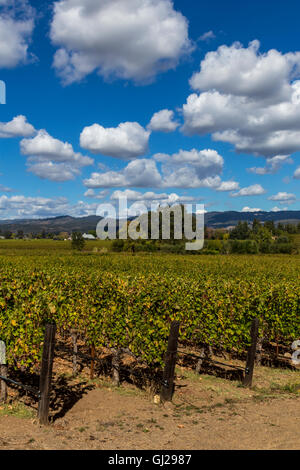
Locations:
{"points": [[118, 301]]}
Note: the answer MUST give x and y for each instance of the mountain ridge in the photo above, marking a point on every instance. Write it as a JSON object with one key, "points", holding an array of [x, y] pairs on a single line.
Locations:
{"points": [[67, 223]]}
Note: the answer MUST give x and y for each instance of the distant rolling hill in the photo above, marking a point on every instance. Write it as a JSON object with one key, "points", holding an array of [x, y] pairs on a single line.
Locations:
{"points": [[51, 225], [230, 218], [85, 224]]}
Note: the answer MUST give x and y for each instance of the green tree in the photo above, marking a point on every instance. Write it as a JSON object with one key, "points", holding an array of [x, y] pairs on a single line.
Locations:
{"points": [[8, 235], [240, 232], [256, 225], [117, 245], [20, 234], [78, 241], [269, 224]]}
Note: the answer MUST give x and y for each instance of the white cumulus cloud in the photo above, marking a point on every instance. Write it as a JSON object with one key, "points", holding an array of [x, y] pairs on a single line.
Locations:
{"points": [[283, 197], [138, 173], [297, 174], [130, 39], [17, 127], [278, 209], [92, 194], [16, 27], [250, 209], [19, 207], [186, 169], [253, 190], [163, 121], [152, 197], [228, 186], [52, 159], [247, 98], [273, 165], [193, 169], [127, 141]]}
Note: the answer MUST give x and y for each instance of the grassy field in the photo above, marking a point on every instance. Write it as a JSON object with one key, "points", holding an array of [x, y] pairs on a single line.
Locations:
{"points": [[37, 247], [230, 266]]}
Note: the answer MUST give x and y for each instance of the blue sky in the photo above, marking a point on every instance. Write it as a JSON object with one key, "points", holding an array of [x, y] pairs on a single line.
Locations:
{"points": [[101, 103]]}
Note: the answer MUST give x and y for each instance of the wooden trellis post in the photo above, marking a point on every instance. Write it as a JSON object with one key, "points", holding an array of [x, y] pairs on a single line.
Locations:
{"points": [[167, 388], [247, 382], [46, 373], [93, 355], [75, 352], [116, 360], [3, 372]]}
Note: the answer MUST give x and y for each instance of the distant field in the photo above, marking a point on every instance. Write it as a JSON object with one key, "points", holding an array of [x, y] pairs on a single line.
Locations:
{"points": [[45, 246], [60, 253]]}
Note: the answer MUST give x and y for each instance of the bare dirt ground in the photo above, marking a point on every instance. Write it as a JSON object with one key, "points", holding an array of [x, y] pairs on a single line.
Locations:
{"points": [[207, 413]]}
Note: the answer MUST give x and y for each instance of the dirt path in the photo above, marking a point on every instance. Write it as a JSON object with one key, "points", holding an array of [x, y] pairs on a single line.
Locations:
{"points": [[110, 419]]}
